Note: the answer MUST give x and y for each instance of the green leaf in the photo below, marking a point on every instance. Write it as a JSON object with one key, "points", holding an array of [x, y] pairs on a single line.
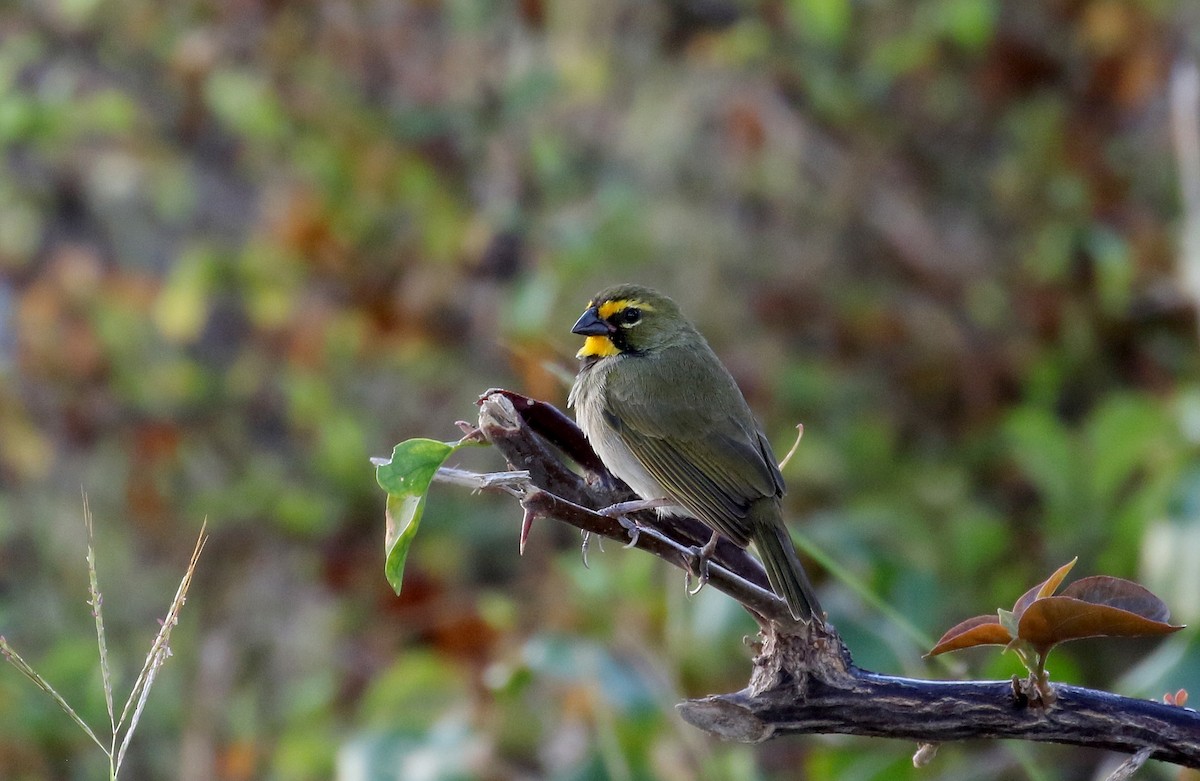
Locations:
{"points": [[1008, 620], [406, 478]]}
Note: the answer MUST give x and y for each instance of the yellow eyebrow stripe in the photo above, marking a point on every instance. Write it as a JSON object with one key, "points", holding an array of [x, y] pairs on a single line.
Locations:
{"points": [[609, 308]]}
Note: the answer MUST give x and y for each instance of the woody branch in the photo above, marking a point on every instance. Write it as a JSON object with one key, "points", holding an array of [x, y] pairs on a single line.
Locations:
{"points": [[804, 680]]}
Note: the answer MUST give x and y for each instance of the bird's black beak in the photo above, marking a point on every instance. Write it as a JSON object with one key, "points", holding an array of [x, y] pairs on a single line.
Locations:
{"points": [[591, 324]]}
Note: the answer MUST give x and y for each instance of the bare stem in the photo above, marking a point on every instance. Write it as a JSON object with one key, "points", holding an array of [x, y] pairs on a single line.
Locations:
{"points": [[12, 657], [160, 651]]}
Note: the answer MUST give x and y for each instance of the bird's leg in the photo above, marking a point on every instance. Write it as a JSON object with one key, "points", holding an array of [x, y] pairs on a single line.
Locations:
{"points": [[700, 558], [621, 511]]}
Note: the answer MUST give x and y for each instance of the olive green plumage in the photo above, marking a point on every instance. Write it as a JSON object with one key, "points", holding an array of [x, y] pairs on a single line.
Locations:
{"points": [[666, 417]]}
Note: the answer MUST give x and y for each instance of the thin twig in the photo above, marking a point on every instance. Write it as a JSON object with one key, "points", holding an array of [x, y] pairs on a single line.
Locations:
{"points": [[509, 482]]}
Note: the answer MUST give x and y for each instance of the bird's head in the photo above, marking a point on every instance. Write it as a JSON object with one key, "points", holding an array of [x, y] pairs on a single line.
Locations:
{"points": [[628, 319]]}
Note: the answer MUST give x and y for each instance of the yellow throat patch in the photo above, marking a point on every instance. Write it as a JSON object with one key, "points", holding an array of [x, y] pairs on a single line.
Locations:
{"points": [[602, 346]]}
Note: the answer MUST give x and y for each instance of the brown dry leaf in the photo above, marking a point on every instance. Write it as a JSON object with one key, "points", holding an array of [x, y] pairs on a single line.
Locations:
{"points": [[980, 630]]}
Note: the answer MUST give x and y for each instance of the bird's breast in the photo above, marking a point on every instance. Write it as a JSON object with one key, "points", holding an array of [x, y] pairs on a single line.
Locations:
{"points": [[588, 399]]}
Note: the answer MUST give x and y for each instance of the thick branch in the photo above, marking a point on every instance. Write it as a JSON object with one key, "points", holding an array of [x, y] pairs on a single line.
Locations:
{"points": [[803, 679], [940, 711]]}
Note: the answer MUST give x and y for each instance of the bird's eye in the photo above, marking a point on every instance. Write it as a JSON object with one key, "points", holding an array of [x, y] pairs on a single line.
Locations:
{"points": [[630, 316]]}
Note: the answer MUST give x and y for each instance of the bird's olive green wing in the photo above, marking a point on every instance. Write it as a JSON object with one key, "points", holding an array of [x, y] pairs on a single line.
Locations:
{"points": [[695, 434]]}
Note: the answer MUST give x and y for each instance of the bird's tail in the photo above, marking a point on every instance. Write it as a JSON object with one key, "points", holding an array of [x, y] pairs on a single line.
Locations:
{"points": [[785, 572]]}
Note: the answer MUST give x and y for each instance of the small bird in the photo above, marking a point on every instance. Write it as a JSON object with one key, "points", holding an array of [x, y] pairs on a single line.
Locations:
{"points": [[666, 416]]}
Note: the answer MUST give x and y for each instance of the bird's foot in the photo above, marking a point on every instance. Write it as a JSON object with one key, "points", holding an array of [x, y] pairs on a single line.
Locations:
{"points": [[622, 510], [697, 564], [637, 505]]}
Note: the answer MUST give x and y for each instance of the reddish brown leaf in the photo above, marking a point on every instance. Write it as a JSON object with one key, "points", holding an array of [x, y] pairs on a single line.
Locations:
{"points": [[1119, 593], [980, 630], [1044, 589], [1057, 619]]}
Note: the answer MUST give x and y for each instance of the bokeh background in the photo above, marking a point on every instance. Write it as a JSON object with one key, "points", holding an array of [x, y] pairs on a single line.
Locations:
{"points": [[247, 244]]}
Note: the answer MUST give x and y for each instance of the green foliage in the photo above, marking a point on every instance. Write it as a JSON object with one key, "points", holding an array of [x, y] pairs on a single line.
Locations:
{"points": [[247, 103], [245, 247], [406, 478], [825, 21], [1093, 471]]}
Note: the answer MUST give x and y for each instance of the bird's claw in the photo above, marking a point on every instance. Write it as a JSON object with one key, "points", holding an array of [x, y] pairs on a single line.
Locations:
{"points": [[701, 582], [697, 562], [632, 528], [583, 547]]}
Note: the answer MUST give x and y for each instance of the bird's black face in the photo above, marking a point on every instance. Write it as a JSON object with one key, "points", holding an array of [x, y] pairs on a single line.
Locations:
{"points": [[625, 320]]}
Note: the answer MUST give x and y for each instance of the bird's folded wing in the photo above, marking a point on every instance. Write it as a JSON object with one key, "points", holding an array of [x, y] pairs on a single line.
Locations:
{"points": [[714, 474]]}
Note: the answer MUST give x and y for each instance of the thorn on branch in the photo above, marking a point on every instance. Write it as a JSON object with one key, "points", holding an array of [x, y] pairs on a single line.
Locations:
{"points": [[925, 754], [472, 434], [526, 525]]}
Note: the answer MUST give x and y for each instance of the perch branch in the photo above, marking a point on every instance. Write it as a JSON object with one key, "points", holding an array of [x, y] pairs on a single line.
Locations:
{"points": [[939, 711], [804, 681]]}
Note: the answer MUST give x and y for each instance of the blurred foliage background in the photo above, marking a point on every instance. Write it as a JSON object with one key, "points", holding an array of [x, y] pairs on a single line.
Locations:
{"points": [[245, 245]]}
